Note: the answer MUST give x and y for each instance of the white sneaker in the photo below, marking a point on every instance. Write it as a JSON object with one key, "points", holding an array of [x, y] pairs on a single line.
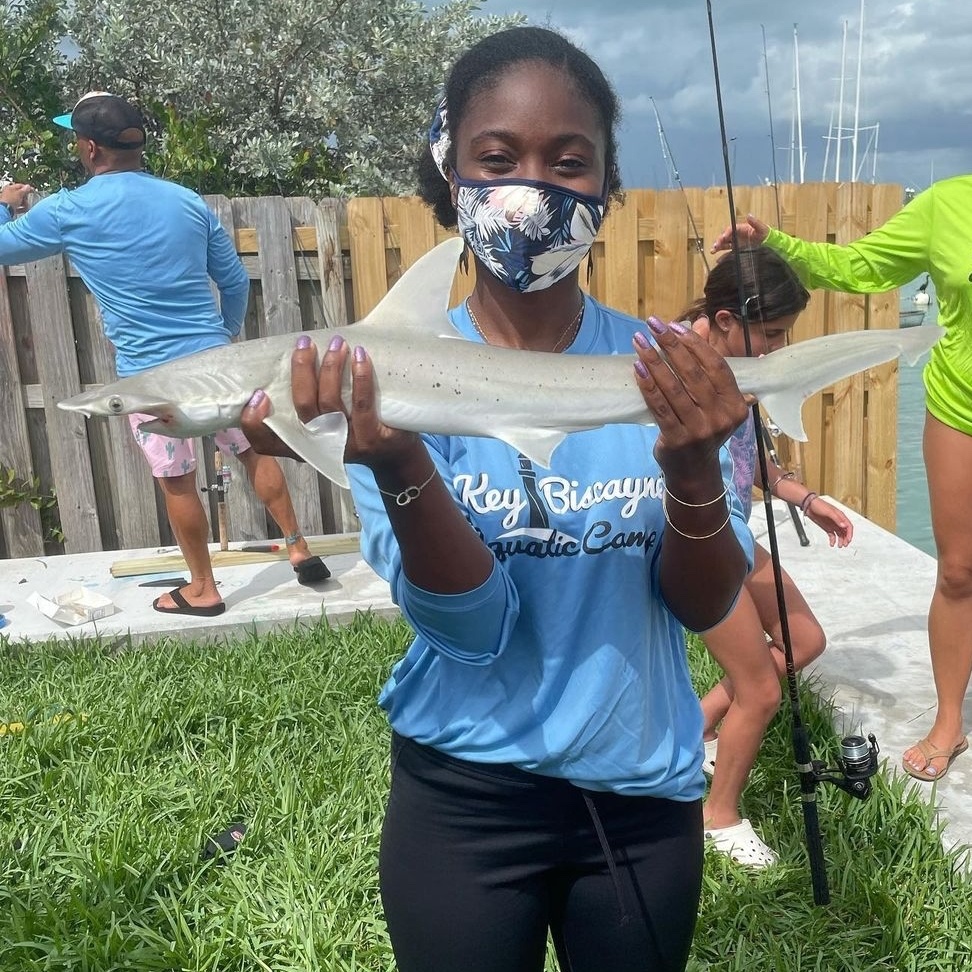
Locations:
{"points": [[742, 844], [708, 760]]}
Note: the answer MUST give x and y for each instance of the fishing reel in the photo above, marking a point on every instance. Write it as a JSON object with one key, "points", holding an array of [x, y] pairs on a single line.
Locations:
{"points": [[858, 762]]}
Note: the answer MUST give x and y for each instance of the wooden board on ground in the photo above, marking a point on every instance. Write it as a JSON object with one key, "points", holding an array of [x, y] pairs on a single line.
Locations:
{"points": [[174, 562]]}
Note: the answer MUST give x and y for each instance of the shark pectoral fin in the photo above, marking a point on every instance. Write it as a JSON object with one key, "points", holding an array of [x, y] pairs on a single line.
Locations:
{"points": [[536, 444], [320, 442], [786, 411]]}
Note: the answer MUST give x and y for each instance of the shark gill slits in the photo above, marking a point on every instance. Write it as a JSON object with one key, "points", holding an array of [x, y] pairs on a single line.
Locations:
{"points": [[116, 404]]}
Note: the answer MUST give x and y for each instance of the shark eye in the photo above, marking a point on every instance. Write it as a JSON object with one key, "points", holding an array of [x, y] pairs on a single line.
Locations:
{"points": [[115, 403]]}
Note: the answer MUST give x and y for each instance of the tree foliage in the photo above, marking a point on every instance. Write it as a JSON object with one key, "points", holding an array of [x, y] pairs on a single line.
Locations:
{"points": [[277, 96], [32, 75]]}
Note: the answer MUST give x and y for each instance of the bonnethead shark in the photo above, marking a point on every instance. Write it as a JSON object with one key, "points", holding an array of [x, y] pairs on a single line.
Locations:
{"points": [[430, 380]]}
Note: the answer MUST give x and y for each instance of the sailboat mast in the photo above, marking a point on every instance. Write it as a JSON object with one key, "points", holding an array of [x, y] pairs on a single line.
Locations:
{"points": [[857, 96], [840, 103], [799, 114]]}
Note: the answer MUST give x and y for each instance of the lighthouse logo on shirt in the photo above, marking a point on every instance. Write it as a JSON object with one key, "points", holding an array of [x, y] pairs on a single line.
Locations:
{"points": [[527, 511]]}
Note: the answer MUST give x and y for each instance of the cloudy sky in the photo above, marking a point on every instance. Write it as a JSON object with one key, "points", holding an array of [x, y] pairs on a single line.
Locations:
{"points": [[916, 83]]}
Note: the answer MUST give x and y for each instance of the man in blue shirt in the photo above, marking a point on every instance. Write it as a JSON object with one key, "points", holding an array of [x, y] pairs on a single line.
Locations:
{"points": [[147, 249]]}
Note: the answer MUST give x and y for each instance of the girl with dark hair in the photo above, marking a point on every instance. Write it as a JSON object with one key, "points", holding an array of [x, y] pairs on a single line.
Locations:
{"points": [[931, 235], [547, 743], [742, 704]]}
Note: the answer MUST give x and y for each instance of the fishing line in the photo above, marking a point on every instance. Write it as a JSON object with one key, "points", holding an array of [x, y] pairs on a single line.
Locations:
{"points": [[669, 157], [801, 743], [795, 517]]}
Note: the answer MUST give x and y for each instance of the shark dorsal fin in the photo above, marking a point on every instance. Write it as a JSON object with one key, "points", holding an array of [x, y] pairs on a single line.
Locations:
{"points": [[420, 297]]}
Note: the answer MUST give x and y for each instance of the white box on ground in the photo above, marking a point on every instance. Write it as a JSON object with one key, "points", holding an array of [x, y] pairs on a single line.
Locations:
{"points": [[74, 607]]}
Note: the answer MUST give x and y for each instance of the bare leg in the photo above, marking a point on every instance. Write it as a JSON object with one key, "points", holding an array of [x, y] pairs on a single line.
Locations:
{"points": [[739, 646], [270, 486], [807, 638], [191, 529], [748, 697], [948, 462]]}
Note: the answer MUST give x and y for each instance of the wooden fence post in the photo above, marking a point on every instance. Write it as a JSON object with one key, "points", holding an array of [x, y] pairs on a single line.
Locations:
{"points": [[57, 368]]}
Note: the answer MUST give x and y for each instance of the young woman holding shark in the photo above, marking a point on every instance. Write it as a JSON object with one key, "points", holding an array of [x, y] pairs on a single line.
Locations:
{"points": [[546, 751]]}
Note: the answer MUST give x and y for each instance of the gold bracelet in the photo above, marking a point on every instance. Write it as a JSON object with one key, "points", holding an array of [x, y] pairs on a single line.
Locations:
{"points": [[409, 493], [779, 479], [691, 536], [696, 506]]}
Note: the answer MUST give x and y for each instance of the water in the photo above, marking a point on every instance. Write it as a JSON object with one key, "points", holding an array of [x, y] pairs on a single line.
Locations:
{"points": [[913, 517]]}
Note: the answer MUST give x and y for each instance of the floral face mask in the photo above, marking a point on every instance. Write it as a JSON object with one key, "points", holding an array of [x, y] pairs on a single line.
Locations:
{"points": [[528, 234]]}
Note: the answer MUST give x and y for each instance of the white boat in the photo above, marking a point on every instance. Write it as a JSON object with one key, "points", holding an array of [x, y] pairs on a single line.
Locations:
{"points": [[911, 318]]}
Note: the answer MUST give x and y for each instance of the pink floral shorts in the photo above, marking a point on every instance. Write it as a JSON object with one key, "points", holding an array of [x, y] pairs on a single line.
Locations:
{"points": [[176, 457]]}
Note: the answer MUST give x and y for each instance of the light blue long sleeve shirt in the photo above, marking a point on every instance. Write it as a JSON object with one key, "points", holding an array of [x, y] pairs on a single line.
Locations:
{"points": [[566, 660], [146, 248]]}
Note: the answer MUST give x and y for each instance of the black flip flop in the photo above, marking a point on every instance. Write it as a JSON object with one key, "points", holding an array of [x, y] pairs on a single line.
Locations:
{"points": [[184, 607], [223, 843], [311, 571]]}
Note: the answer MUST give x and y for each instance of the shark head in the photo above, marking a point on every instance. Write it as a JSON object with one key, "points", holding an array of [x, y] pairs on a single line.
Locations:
{"points": [[137, 394]]}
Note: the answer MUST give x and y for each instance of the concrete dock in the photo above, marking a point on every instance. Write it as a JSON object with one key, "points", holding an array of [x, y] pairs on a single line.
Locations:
{"points": [[871, 597]]}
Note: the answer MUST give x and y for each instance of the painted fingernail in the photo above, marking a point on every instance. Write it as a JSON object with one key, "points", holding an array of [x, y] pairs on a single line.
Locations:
{"points": [[680, 327], [641, 340], [256, 398], [359, 353], [641, 369], [303, 342], [657, 326], [336, 343]]}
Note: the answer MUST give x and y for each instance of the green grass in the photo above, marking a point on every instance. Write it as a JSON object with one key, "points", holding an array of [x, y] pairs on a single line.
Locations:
{"points": [[103, 816]]}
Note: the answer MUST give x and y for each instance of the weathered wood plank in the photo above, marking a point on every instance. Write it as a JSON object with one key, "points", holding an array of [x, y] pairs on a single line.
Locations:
{"points": [[369, 276], [57, 368], [246, 516], [338, 515], [23, 533], [671, 255], [846, 482], [281, 307], [880, 497], [620, 235]]}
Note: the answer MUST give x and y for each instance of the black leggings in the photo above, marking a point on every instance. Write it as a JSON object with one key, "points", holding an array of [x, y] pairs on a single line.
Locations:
{"points": [[478, 861]]}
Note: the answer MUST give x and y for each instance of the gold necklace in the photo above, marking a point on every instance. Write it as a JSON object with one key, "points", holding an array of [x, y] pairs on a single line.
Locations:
{"points": [[570, 330]]}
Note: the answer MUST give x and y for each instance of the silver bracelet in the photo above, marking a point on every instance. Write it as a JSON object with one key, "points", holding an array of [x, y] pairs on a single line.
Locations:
{"points": [[779, 479], [693, 536], [409, 493], [696, 506]]}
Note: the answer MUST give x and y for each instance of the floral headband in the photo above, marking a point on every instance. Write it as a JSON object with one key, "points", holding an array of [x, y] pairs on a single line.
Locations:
{"points": [[439, 140]]}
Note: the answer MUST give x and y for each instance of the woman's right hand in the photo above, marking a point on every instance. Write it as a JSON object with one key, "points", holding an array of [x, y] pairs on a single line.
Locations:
{"points": [[751, 233], [317, 391]]}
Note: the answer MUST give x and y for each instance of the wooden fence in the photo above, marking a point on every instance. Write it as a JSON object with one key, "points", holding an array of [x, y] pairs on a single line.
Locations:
{"points": [[325, 264]]}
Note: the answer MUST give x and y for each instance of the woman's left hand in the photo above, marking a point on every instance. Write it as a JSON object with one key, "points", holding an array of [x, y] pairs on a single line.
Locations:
{"points": [[693, 395]]}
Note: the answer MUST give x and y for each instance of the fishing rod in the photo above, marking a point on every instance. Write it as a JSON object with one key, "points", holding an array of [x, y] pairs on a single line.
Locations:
{"points": [[858, 757], [669, 158]]}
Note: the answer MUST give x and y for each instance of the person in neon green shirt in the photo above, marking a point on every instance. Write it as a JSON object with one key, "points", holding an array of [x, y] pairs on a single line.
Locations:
{"points": [[932, 234]]}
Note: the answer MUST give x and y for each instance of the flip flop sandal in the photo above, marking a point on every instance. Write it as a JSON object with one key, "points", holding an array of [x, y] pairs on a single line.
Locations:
{"points": [[742, 844], [184, 607], [930, 753], [223, 843], [311, 571]]}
